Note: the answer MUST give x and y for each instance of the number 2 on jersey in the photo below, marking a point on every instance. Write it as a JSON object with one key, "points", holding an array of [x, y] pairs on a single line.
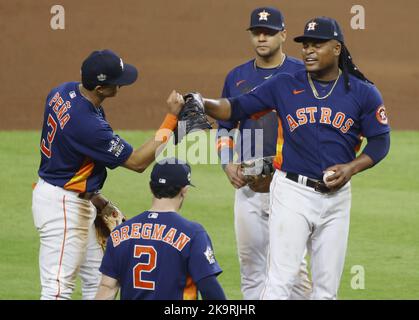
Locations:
{"points": [[144, 267], [46, 150]]}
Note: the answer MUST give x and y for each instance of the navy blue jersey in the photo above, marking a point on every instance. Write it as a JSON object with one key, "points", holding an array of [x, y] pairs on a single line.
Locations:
{"points": [[314, 134], [77, 143], [241, 80], [159, 256]]}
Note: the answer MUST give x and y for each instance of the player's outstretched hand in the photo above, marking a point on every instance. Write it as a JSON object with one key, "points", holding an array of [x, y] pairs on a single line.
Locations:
{"points": [[234, 175], [175, 102], [343, 173]]}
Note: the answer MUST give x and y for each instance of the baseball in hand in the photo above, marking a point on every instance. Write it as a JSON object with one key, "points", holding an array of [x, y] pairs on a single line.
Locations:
{"points": [[327, 174]]}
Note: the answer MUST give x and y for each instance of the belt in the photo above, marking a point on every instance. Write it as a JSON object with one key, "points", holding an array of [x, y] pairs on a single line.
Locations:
{"points": [[318, 186], [87, 195]]}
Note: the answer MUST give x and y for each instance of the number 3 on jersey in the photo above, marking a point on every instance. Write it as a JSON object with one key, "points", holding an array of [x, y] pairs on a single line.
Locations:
{"points": [[46, 150], [144, 267]]}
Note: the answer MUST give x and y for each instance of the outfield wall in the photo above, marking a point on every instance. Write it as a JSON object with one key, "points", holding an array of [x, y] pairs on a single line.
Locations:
{"points": [[187, 45]]}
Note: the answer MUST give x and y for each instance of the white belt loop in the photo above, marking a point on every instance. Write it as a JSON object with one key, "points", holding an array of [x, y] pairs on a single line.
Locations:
{"points": [[301, 179]]}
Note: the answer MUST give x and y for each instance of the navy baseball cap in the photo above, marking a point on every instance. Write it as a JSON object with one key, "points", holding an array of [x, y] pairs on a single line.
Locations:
{"points": [[171, 172], [322, 28], [267, 17], [107, 68]]}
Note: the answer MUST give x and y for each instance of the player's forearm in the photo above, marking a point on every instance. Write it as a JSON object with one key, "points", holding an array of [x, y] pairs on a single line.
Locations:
{"points": [[108, 288], [142, 157], [106, 293], [361, 163], [219, 109], [99, 201], [210, 289], [376, 149]]}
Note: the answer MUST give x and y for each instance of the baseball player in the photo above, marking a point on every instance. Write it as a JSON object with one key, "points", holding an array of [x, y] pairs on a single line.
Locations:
{"points": [[77, 145], [251, 206], [158, 254], [322, 112]]}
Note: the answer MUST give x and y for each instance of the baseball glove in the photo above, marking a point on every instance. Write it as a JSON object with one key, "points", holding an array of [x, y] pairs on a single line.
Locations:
{"points": [[258, 173], [106, 220], [192, 117]]}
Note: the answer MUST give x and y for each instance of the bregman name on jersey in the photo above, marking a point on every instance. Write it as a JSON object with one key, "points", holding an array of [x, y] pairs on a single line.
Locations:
{"points": [[150, 231]]}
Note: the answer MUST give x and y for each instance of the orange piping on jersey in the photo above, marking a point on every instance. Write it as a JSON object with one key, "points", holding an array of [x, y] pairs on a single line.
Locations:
{"points": [[191, 291], [260, 114], [223, 142], [358, 146], [279, 146], [79, 181]]}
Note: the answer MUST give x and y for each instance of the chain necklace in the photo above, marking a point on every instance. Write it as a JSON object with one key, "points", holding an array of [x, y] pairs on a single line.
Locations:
{"points": [[313, 88]]}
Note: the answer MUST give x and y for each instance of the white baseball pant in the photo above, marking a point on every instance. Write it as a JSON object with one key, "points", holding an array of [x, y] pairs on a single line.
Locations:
{"points": [[301, 216], [251, 214], [68, 242]]}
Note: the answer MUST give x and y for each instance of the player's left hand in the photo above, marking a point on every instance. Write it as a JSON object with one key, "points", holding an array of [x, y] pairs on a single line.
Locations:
{"points": [[343, 173]]}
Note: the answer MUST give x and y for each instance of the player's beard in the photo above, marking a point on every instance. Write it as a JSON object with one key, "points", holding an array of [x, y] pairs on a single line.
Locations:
{"points": [[266, 54]]}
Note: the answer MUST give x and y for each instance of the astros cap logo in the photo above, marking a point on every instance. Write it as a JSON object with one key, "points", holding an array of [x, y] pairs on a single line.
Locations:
{"points": [[263, 15], [311, 26]]}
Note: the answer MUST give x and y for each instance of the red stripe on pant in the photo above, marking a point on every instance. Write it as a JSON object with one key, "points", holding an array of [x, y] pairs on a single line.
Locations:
{"points": [[62, 250]]}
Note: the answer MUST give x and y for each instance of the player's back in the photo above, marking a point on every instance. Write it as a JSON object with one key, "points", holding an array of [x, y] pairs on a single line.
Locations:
{"points": [[66, 114], [77, 143], [159, 255]]}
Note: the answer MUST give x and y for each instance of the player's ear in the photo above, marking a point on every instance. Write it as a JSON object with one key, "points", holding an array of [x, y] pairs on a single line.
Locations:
{"points": [[337, 48], [283, 35], [184, 191], [98, 89]]}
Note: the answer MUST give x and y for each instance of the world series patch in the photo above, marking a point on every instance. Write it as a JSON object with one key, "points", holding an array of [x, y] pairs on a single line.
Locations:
{"points": [[209, 254], [116, 146]]}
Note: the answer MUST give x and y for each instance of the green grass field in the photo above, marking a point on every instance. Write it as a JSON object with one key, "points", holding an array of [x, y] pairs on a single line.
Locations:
{"points": [[384, 236]]}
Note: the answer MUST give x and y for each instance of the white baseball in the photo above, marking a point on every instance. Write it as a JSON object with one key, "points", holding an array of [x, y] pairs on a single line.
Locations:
{"points": [[327, 174]]}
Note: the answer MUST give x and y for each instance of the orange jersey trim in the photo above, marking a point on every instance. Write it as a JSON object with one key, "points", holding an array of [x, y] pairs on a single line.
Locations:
{"points": [[79, 181], [191, 291], [260, 114], [358, 146], [279, 145]]}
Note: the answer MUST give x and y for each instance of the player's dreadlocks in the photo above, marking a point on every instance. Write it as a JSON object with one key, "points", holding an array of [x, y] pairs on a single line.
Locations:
{"points": [[347, 66]]}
